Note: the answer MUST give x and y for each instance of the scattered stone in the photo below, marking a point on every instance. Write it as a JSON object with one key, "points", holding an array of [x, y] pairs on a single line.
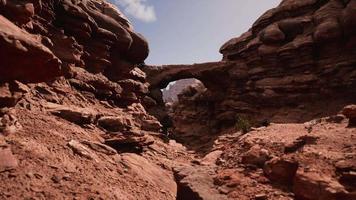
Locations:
{"points": [[56, 179], [196, 183], [281, 170], [151, 125], [350, 113], [311, 186], [81, 150], [20, 87], [261, 197], [9, 125], [335, 119], [116, 124], [10, 94], [211, 158], [149, 172], [78, 116], [129, 143], [7, 160], [255, 156], [346, 165], [99, 147]]}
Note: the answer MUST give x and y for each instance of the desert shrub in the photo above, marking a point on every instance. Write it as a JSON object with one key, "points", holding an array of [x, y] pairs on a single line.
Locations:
{"points": [[242, 124]]}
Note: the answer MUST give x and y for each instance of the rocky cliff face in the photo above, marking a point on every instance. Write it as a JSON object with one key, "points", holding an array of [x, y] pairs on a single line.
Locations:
{"points": [[76, 106], [71, 98], [41, 40], [299, 56], [297, 62]]}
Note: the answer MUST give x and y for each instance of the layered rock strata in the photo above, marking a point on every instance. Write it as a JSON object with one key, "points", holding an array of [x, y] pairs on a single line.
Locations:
{"points": [[297, 62]]}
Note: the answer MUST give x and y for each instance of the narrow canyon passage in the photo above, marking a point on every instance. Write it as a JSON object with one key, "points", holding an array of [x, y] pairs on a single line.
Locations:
{"points": [[83, 117]]}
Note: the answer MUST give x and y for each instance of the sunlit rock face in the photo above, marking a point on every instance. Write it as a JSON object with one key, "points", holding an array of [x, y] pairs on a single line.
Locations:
{"points": [[296, 57], [40, 39], [297, 62]]}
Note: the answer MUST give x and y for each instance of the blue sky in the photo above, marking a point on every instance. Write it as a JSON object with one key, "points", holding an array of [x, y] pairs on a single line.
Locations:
{"points": [[191, 31]]}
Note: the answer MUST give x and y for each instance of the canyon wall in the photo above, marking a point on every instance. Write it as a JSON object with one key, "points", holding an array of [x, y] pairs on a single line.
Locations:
{"points": [[72, 123], [297, 62], [43, 40]]}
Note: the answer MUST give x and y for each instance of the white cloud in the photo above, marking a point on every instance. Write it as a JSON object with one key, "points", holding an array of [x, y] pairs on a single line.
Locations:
{"points": [[138, 9]]}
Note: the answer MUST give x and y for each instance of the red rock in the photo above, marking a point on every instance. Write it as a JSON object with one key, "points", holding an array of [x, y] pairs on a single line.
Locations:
{"points": [[349, 18], [272, 34], [310, 186], [150, 173], [115, 124], [255, 156], [350, 113], [139, 49], [151, 125], [7, 160], [280, 170], [289, 59], [75, 115], [328, 30], [23, 56]]}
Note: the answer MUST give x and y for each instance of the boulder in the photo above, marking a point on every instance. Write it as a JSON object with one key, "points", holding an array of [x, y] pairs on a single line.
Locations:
{"points": [[99, 147], [311, 186], [9, 124], [350, 113], [149, 173], [255, 156], [8, 98], [78, 116], [81, 150], [24, 57], [281, 170], [151, 125], [196, 183], [7, 159], [129, 142], [272, 34], [116, 124], [211, 158], [138, 50]]}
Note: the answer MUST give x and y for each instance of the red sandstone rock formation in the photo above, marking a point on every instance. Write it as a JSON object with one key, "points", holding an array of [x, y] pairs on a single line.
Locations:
{"points": [[70, 102], [73, 119], [297, 62]]}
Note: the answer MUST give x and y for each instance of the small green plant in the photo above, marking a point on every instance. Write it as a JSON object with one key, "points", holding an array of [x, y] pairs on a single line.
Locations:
{"points": [[242, 124]]}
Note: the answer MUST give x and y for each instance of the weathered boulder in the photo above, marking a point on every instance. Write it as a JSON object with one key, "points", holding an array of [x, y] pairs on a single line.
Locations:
{"points": [[350, 113], [196, 183], [255, 156], [24, 57], [78, 116], [150, 173], [7, 159], [310, 186], [281, 170], [81, 150], [9, 124], [116, 124]]}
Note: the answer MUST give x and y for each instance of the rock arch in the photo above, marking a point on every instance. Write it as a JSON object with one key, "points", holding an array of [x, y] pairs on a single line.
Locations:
{"points": [[210, 73]]}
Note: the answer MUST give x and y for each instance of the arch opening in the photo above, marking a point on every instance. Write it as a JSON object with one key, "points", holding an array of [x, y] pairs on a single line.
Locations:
{"points": [[175, 88]]}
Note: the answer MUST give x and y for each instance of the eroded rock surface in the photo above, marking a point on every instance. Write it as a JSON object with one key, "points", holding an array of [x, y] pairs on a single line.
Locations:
{"points": [[297, 62], [71, 96], [77, 106]]}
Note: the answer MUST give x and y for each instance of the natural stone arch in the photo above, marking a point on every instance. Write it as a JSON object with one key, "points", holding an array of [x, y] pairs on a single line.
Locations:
{"points": [[161, 76]]}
